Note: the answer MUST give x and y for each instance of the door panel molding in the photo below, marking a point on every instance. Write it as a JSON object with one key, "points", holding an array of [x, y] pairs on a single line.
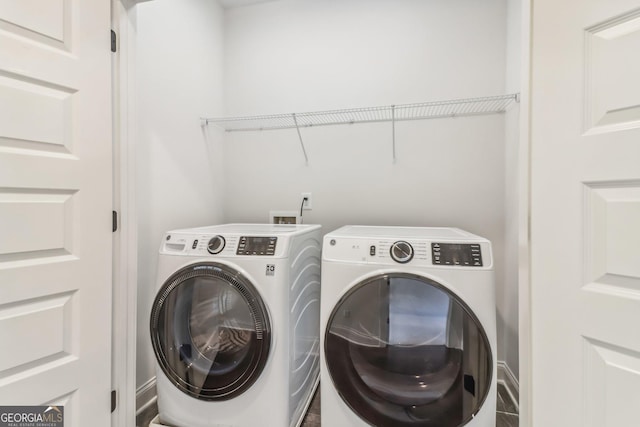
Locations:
{"points": [[612, 96]]}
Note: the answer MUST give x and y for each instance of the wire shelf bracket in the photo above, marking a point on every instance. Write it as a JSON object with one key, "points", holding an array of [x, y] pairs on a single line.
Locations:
{"points": [[295, 121], [392, 113], [393, 132]]}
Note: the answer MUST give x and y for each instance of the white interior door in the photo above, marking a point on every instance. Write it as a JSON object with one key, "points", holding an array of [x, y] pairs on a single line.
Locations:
{"points": [[55, 207], [585, 213]]}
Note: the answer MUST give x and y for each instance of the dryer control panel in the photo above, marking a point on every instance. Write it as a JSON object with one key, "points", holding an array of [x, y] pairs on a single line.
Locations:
{"points": [[409, 252]]}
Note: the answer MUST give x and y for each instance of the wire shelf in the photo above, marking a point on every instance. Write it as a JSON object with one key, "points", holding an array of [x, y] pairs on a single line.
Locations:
{"points": [[419, 111]]}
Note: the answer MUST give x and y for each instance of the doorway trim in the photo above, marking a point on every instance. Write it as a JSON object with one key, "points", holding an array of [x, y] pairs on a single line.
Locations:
{"points": [[524, 223], [125, 243]]}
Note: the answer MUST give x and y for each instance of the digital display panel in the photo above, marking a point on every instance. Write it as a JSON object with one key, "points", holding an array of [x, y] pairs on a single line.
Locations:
{"points": [[257, 245], [456, 254]]}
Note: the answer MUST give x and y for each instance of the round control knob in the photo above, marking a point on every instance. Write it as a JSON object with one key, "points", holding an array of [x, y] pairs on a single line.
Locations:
{"points": [[401, 252], [216, 245]]}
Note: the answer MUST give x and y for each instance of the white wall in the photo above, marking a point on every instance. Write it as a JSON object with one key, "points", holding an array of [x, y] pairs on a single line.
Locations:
{"points": [[298, 55], [179, 181], [508, 293], [304, 55]]}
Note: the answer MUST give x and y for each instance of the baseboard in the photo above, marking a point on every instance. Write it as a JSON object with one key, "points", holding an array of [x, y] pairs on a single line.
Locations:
{"points": [[506, 377], [146, 398]]}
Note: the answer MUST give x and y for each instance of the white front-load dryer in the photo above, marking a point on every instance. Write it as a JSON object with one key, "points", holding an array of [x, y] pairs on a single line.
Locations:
{"points": [[235, 325], [408, 328]]}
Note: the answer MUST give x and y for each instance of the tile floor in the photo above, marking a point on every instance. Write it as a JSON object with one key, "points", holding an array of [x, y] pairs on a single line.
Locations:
{"points": [[506, 411]]}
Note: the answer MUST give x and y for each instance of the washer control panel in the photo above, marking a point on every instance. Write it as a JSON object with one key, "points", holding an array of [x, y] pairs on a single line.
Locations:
{"points": [[456, 254], [254, 245]]}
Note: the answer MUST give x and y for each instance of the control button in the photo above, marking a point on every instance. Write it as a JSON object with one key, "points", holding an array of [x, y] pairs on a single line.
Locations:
{"points": [[372, 250], [435, 254], [216, 245], [401, 252]]}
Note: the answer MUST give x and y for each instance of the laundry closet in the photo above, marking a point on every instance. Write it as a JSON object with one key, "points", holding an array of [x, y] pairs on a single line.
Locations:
{"points": [[197, 61], [516, 120]]}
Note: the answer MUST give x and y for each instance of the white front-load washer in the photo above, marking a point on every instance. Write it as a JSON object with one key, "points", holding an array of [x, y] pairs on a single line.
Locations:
{"points": [[235, 325], [408, 327]]}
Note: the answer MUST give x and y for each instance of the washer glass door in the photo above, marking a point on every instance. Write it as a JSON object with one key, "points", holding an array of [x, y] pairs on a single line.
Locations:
{"points": [[402, 350], [210, 331]]}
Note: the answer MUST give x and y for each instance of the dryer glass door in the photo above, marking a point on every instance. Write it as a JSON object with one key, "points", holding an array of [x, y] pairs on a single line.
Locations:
{"points": [[210, 331], [403, 350]]}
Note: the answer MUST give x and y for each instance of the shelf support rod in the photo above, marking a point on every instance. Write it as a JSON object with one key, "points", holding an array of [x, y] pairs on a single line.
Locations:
{"points": [[393, 131], [295, 121]]}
